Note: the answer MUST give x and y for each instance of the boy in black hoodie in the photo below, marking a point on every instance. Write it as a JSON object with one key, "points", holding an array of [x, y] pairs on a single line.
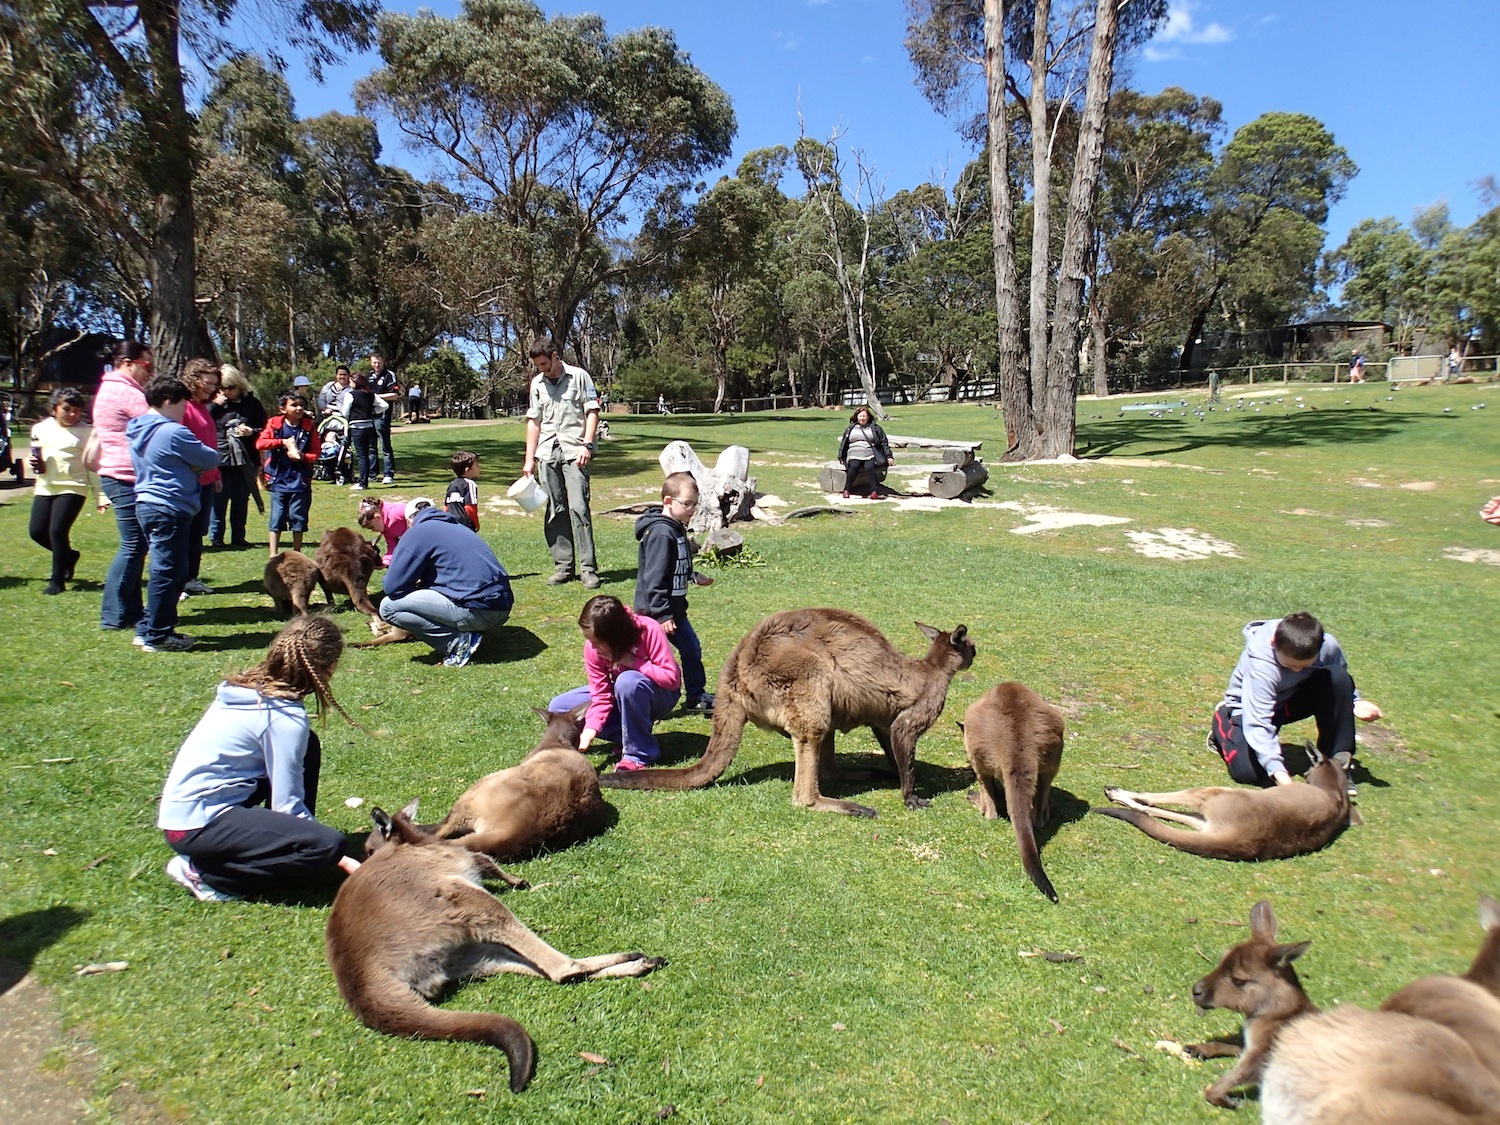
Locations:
{"points": [[664, 569]]}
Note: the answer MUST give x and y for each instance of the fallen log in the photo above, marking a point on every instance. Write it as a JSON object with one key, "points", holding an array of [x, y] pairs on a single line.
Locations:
{"points": [[898, 442], [953, 483], [957, 456], [831, 479]]}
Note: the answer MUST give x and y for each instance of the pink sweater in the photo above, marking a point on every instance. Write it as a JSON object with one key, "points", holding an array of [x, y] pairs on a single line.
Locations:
{"points": [[201, 422], [652, 657], [120, 399]]}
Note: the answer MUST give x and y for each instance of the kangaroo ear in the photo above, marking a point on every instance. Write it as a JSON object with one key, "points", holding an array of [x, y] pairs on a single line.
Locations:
{"points": [[579, 712], [382, 822], [1263, 920], [959, 633], [410, 812], [1284, 955], [927, 631], [542, 713]]}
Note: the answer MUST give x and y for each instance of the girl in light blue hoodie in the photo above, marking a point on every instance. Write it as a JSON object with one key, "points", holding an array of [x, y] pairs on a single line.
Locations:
{"points": [[237, 807]]}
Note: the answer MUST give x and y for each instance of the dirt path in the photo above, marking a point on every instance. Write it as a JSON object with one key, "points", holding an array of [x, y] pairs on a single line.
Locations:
{"points": [[43, 1075]]}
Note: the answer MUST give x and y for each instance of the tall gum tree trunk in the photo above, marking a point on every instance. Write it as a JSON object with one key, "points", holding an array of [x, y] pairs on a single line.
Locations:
{"points": [[1041, 219], [1015, 401]]}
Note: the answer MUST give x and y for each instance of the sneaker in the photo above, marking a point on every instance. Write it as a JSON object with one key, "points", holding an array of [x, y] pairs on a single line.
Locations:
{"points": [[846, 494], [874, 496], [175, 643], [180, 869], [197, 588], [589, 579], [704, 704], [138, 640], [1213, 747], [356, 488], [464, 646], [559, 576], [387, 479], [629, 765], [54, 588]]}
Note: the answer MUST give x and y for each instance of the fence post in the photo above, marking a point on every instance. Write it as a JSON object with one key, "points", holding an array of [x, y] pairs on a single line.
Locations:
{"points": [[1283, 374]]}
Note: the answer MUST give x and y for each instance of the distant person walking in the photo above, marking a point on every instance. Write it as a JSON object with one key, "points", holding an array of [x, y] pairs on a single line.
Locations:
{"points": [[122, 397], [1455, 363], [561, 423], [1357, 368], [62, 482]]}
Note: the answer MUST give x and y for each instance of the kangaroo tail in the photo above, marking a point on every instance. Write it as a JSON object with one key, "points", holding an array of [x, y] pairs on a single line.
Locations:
{"points": [[1206, 844], [413, 1018], [1018, 805], [723, 744]]}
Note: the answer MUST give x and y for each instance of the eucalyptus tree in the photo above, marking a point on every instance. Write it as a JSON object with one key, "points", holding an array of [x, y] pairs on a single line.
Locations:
{"points": [[560, 131], [93, 100], [1041, 57]]}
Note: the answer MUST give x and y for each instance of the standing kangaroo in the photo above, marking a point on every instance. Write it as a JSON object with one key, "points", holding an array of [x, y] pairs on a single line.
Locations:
{"points": [[415, 919], [1350, 1066], [1014, 739], [809, 673], [551, 799], [1244, 824]]}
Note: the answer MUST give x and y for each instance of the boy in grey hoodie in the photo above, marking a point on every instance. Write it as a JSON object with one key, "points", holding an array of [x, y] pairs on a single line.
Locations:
{"points": [[167, 459], [664, 571], [1290, 669]]}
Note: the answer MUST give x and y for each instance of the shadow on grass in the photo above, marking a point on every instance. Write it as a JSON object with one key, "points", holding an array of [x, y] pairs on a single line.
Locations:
{"points": [[1292, 428], [23, 936], [1298, 762], [860, 773]]}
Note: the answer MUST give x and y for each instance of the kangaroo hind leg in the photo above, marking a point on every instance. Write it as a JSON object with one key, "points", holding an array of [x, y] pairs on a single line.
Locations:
{"points": [[808, 747]]}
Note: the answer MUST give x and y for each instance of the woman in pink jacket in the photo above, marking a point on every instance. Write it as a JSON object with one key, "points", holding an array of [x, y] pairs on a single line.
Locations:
{"points": [[120, 399], [633, 680]]}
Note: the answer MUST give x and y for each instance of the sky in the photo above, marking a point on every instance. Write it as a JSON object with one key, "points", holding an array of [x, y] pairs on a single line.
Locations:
{"points": [[1408, 90]]}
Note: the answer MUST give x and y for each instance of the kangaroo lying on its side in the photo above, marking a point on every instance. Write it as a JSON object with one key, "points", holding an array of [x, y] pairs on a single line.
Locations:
{"points": [[1468, 1005], [1350, 1066], [809, 673], [550, 799], [1014, 739], [415, 919], [1274, 823]]}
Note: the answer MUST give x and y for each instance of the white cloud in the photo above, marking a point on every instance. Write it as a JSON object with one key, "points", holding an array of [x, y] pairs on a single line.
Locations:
{"points": [[1156, 54], [1183, 27]]}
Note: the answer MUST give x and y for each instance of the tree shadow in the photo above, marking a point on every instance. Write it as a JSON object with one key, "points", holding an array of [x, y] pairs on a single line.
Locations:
{"points": [[23, 936], [1167, 436]]}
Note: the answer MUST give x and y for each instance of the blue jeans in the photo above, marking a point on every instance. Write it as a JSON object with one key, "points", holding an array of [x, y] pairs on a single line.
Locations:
{"points": [[685, 641], [383, 431], [122, 607], [234, 502], [436, 618], [170, 534], [638, 703]]}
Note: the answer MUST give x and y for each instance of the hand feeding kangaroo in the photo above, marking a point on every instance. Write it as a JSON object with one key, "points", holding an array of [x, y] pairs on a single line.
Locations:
{"points": [[550, 799], [1014, 739], [1350, 1065], [1244, 824], [414, 919], [809, 673]]}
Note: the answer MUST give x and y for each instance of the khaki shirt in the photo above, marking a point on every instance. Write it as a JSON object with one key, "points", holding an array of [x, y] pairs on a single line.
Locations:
{"points": [[559, 410]]}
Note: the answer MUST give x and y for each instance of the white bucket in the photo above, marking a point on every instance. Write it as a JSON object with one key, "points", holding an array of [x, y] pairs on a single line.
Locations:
{"points": [[527, 493]]}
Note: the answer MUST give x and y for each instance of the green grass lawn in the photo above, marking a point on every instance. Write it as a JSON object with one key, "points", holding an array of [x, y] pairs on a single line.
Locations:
{"points": [[822, 968]]}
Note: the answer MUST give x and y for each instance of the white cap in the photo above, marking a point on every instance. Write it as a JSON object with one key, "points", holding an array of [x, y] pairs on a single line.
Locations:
{"points": [[415, 505]]}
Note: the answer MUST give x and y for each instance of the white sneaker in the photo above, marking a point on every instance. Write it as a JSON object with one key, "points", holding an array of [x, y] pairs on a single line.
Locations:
{"points": [[356, 488], [180, 869], [387, 479], [177, 642]]}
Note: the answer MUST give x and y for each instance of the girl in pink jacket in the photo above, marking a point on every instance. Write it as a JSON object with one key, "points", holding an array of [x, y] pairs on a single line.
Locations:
{"points": [[633, 678]]}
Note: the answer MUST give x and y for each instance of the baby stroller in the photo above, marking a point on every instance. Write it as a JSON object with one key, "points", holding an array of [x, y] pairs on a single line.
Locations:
{"points": [[336, 456]]}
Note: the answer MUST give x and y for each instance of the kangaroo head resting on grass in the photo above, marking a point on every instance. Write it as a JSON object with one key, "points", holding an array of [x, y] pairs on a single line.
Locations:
{"points": [[1245, 824], [550, 799], [810, 673], [414, 919], [1014, 740]]}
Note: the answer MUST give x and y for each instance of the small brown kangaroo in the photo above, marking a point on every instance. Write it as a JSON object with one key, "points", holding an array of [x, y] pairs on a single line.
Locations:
{"points": [[290, 579], [551, 799], [809, 673], [1244, 824], [346, 562], [1014, 739], [414, 919], [1343, 1067], [1468, 1005]]}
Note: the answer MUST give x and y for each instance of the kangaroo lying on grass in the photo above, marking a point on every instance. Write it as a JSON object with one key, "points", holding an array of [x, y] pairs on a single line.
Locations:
{"points": [[1246, 824], [1342, 1067], [809, 673], [414, 919], [1014, 739], [551, 799]]}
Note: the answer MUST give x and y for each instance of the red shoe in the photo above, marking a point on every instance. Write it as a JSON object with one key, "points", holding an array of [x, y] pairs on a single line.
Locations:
{"points": [[874, 496], [846, 494], [629, 765]]}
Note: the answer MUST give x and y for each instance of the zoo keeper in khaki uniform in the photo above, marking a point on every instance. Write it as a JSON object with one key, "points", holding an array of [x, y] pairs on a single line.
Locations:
{"points": [[561, 421]]}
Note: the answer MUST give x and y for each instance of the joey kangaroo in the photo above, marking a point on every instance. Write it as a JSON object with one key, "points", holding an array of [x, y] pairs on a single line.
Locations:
{"points": [[550, 799], [1343, 1067], [808, 673], [415, 919], [290, 579], [1244, 824], [1014, 739], [1468, 1005]]}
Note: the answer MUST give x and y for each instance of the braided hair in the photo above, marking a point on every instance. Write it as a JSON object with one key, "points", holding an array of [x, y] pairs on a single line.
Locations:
{"points": [[299, 663]]}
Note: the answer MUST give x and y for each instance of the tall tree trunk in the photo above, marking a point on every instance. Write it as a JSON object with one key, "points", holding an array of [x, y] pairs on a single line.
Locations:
{"points": [[1059, 415], [1099, 344], [1041, 207], [1015, 401]]}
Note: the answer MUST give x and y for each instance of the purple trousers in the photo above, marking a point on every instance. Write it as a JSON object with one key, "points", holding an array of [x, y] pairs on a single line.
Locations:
{"points": [[638, 703]]}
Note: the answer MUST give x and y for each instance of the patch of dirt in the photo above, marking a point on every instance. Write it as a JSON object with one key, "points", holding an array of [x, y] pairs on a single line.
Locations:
{"points": [[43, 1073], [1420, 486], [1366, 523], [1051, 519], [1179, 544], [1384, 742], [1472, 554]]}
